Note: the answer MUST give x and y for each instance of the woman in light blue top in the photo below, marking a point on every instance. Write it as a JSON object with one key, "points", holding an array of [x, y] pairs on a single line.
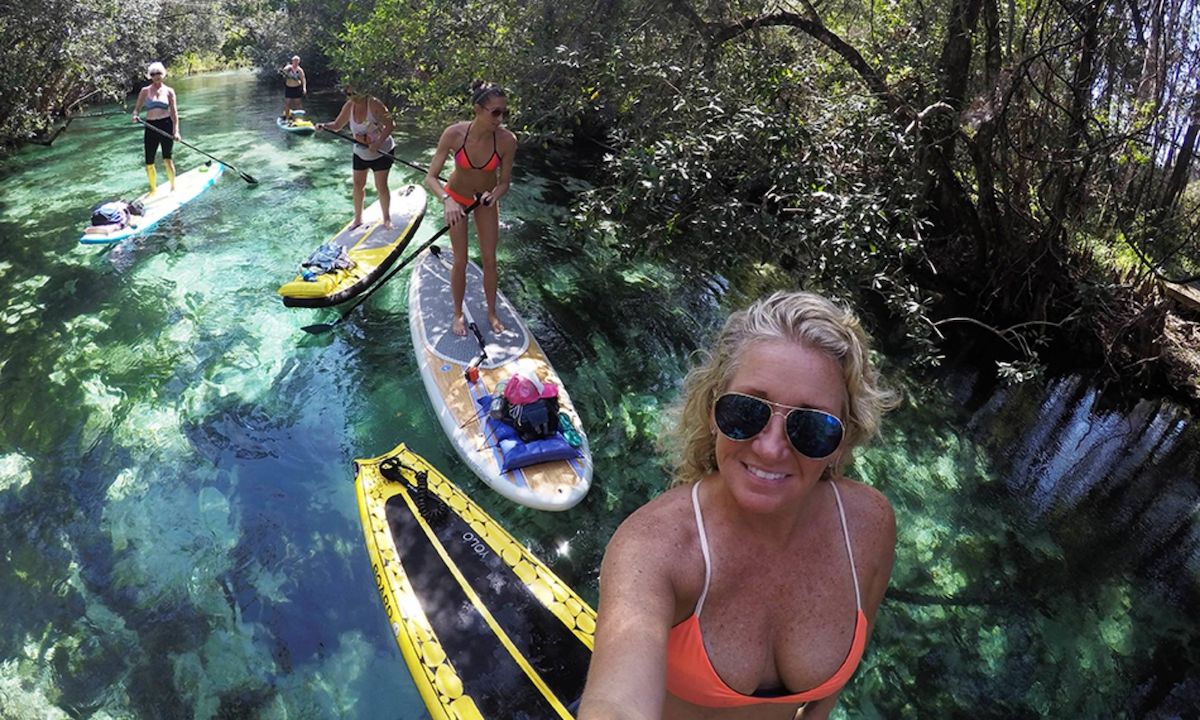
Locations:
{"points": [[161, 113]]}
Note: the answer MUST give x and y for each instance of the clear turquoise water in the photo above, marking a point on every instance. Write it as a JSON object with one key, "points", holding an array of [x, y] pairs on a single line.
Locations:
{"points": [[180, 535]]}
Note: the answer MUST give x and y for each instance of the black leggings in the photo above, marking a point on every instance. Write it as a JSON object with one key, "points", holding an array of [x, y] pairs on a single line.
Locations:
{"points": [[151, 140]]}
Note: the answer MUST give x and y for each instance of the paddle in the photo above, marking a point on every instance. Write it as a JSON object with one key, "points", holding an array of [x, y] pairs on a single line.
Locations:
{"points": [[471, 372], [418, 168], [245, 176], [320, 328]]}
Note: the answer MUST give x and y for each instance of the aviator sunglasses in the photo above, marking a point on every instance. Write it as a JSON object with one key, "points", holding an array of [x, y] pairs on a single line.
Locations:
{"points": [[499, 112], [814, 434]]}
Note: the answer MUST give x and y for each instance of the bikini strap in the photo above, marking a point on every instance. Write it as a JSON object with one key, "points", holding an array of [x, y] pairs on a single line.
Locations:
{"points": [[849, 551], [466, 135], [703, 547]]}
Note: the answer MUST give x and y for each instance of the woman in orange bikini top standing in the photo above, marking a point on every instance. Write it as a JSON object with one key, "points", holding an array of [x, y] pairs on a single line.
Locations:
{"points": [[748, 590], [483, 151]]}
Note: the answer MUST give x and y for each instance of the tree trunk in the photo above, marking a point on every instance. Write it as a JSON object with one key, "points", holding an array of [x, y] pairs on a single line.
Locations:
{"points": [[1067, 178], [1183, 164]]}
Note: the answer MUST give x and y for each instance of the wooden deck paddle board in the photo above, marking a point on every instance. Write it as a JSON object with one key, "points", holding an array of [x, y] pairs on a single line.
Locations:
{"points": [[443, 358], [488, 632]]}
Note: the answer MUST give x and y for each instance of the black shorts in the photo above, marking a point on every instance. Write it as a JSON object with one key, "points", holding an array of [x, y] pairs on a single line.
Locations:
{"points": [[293, 92], [151, 140], [379, 164]]}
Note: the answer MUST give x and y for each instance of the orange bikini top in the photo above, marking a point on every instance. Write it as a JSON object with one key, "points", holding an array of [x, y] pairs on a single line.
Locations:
{"points": [[463, 162], [690, 674]]}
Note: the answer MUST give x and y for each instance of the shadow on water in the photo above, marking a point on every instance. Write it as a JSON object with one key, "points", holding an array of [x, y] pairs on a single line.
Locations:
{"points": [[1118, 490], [1047, 559]]}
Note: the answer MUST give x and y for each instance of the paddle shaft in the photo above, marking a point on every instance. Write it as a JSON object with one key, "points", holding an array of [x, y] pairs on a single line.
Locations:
{"points": [[356, 141], [245, 176], [470, 372], [403, 262]]}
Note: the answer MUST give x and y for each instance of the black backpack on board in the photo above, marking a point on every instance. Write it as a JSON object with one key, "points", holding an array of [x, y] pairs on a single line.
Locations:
{"points": [[536, 420]]}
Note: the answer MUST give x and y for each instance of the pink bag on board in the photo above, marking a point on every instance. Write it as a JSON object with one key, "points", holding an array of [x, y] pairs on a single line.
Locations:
{"points": [[522, 390]]}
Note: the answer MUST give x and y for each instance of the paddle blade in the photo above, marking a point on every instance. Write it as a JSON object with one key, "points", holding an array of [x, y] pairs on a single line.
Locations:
{"points": [[248, 178], [318, 329]]}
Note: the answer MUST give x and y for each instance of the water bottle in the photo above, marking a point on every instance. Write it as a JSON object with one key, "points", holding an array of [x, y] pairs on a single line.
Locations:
{"points": [[308, 275], [496, 411]]}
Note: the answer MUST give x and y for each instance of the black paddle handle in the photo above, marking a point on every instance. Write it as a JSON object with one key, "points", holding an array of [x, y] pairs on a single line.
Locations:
{"points": [[245, 177], [482, 345], [471, 372], [404, 262], [356, 141]]}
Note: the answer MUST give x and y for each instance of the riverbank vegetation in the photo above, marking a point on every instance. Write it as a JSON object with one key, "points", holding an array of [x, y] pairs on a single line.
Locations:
{"points": [[1016, 177]]}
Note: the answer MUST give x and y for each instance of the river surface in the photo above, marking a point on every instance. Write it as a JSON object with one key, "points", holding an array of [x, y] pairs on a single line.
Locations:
{"points": [[180, 536]]}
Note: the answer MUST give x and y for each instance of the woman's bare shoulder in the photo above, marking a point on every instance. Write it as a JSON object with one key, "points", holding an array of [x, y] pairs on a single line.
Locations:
{"points": [[378, 105], [658, 523], [864, 498], [867, 507], [453, 133]]}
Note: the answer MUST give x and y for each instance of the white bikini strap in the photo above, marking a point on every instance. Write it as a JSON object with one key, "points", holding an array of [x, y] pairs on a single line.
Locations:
{"points": [[703, 546], [849, 552]]}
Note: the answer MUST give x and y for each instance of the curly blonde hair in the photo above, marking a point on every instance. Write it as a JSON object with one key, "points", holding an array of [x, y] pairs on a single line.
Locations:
{"points": [[801, 317]]}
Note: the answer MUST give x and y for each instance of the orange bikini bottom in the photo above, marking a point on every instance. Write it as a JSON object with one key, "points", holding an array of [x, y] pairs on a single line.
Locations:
{"points": [[458, 197]]}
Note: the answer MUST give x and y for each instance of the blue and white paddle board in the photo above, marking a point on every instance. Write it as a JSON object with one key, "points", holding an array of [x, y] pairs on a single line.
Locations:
{"points": [[163, 202]]}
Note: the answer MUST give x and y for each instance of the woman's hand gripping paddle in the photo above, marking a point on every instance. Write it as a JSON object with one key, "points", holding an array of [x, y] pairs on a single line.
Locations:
{"points": [[418, 168], [168, 136]]}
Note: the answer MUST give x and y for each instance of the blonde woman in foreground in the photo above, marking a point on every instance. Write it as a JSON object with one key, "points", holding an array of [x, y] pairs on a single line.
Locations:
{"points": [[749, 589]]}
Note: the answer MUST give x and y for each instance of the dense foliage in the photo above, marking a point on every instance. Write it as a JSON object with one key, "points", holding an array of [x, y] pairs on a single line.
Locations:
{"points": [[269, 32], [1003, 164], [60, 55], [1012, 171]]}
